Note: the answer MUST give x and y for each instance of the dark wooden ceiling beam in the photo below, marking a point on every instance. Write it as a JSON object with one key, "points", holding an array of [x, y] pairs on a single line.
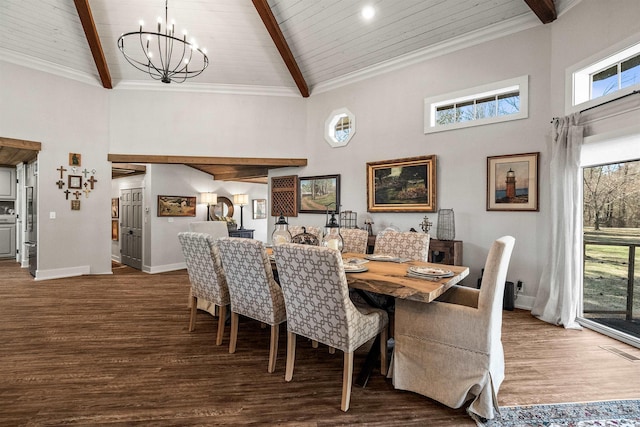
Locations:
{"points": [[89, 26], [262, 6], [268, 162], [545, 10]]}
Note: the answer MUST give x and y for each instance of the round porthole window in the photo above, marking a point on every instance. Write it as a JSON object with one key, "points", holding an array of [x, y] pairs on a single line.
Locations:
{"points": [[340, 127]]}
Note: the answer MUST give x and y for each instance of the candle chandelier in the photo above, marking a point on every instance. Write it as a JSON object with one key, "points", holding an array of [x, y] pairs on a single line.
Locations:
{"points": [[162, 55]]}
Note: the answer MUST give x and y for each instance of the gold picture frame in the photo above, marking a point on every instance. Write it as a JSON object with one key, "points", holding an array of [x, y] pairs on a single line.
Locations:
{"points": [[513, 182], [114, 230], [115, 207], [259, 208], [402, 185], [177, 206]]}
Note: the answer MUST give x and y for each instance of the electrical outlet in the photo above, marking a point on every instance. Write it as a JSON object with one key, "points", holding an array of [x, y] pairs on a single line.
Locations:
{"points": [[520, 285]]}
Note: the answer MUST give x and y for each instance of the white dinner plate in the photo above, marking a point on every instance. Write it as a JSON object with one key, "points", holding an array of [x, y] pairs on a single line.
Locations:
{"points": [[354, 261], [430, 271], [381, 257], [355, 268]]}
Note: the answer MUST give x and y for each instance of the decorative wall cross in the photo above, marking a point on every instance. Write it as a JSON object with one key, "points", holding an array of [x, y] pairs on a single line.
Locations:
{"points": [[85, 172], [86, 192], [77, 194], [60, 184], [62, 171], [91, 181], [66, 194]]}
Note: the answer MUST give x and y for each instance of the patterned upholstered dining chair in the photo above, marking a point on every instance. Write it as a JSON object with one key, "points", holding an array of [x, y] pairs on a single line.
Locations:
{"points": [[206, 276], [354, 240], [254, 292], [318, 307], [406, 244], [451, 349]]}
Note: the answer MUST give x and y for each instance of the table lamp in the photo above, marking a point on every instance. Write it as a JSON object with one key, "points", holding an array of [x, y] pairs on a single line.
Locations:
{"points": [[242, 200], [209, 199]]}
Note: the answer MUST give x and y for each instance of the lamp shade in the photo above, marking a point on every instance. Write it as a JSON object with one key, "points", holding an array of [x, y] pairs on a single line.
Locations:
{"points": [[241, 199], [209, 198]]}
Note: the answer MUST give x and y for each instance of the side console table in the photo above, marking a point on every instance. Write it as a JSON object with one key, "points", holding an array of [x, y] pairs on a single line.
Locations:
{"points": [[244, 233]]}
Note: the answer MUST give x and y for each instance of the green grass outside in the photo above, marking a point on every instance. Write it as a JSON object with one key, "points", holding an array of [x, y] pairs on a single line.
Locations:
{"points": [[606, 269]]}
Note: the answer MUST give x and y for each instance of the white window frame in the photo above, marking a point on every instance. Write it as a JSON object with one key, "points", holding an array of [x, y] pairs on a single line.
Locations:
{"points": [[431, 104], [578, 76]]}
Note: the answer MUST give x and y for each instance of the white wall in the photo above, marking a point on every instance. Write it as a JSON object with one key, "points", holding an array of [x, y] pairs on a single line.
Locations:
{"points": [[66, 117], [389, 118]]}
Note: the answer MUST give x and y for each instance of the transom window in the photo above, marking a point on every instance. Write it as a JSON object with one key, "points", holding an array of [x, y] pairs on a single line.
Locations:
{"points": [[492, 103], [607, 76]]}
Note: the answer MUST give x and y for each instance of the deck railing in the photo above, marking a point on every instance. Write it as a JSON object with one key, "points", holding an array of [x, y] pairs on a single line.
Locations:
{"points": [[630, 275]]}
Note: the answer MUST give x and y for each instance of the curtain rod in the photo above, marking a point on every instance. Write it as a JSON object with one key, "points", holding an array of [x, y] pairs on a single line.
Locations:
{"points": [[603, 103]]}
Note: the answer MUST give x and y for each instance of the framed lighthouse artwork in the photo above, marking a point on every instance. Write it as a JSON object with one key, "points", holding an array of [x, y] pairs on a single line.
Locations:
{"points": [[512, 182]]}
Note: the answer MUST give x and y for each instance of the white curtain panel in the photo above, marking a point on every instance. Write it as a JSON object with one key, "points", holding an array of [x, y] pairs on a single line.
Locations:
{"points": [[559, 292]]}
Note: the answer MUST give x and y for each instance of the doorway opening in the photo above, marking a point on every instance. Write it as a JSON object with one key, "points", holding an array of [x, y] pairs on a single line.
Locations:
{"points": [[611, 237]]}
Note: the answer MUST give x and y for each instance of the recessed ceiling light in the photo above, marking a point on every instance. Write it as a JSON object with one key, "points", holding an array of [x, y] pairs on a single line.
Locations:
{"points": [[368, 12]]}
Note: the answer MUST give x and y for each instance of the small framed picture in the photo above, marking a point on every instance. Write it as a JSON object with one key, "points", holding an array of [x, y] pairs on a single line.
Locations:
{"points": [[259, 208], [75, 182], [512, 182], [114, 229], [316, 194], [115, 207], [75, 159], [75, 205], [177, 205]]}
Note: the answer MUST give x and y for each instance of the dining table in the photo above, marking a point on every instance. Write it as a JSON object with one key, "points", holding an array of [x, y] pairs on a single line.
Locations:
{"points": [[390, 276]]}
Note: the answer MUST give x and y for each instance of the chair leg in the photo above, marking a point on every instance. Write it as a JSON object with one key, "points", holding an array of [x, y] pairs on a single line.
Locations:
{"points": [[194, 310], [347, 373], [332, 350], [291, 356], [222, 314], [314, 344], [273, 348], [234, 332], [384, 337]]}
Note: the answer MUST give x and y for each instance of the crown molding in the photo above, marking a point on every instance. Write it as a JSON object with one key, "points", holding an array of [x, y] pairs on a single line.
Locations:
{"points": [[48, 67], [209, 88], [504, 28]]}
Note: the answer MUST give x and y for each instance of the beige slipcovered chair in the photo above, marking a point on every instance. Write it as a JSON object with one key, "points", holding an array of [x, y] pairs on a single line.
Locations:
{"points": [[451, 349], [206, 276], [215, 229], [318, 307], [403, 244], [354, 240], [254, 292]]}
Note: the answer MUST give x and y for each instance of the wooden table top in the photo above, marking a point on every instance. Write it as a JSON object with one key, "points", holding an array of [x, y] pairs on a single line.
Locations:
{"points": [[390, 278]]}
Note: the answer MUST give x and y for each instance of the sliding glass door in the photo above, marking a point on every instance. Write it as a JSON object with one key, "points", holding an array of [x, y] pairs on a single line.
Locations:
{"points": [[611, 225]]}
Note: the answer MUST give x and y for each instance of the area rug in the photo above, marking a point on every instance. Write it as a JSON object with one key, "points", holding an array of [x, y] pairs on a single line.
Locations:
{"points": [[615, 413]]}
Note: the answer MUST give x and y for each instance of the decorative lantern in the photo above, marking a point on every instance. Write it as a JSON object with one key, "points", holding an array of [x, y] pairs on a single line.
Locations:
{"points": [[281, 232], [332, 237]]}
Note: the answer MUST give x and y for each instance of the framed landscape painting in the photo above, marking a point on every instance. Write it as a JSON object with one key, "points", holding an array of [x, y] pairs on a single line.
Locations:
{"points": [[512, 182], [316, 194], [176, 206], [402, 185]]}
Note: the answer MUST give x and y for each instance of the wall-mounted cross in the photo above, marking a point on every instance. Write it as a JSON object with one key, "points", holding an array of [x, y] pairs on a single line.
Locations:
{"points": [[86, 192], [66, 194], [91, 181], [60, 184], [62, 171], [85, 172], [77, 194]]}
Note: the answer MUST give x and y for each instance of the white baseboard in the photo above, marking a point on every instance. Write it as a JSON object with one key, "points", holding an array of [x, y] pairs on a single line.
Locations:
{"points": [[524, 302], [164, 268], [59, 273]]}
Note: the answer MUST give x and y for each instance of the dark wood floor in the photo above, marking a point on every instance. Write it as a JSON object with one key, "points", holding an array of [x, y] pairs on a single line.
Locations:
{"points": [[115, 349]]}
